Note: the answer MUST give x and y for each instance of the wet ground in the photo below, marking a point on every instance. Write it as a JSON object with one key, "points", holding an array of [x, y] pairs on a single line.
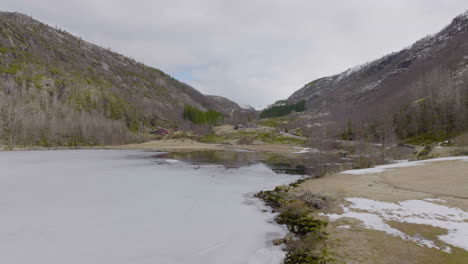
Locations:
{"points": [[308, 164]]}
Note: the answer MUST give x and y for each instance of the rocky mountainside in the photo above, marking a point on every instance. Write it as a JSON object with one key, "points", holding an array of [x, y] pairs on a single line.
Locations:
{"points": [[58, 89], [434, 68], [224, 103], [235, 113]]}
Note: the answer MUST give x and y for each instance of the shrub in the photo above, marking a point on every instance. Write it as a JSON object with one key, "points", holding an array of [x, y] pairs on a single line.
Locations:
{"points": [[211, 138], [182, 135], [273, 122], [425, 153], [428, 138], [363, 162], [295, 207], [278, 139], [309, 247], [274, 198], [304, 257], [13, 68], [296, 183], [245, 141], [348, 134], [7, 50], [315, 200], [301, 223]]}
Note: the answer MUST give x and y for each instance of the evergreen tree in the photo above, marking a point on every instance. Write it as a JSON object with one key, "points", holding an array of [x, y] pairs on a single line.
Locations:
{"points": [[200, 117], [282, 110]]}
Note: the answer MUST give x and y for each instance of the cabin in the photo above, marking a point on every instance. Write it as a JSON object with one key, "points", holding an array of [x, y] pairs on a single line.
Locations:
{"points": [[160, 131]]}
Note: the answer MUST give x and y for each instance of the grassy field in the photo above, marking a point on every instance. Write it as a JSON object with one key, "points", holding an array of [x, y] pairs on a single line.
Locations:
{"points": [[270, 137]]}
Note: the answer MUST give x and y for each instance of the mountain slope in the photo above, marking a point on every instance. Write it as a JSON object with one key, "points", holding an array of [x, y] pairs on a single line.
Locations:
{"points": [[435, 67], [58, 89], [235, 113]]}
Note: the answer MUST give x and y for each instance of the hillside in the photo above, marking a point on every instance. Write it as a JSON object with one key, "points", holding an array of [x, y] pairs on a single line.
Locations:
{"points": [[235, 113], [57, 89], [421, 89]]}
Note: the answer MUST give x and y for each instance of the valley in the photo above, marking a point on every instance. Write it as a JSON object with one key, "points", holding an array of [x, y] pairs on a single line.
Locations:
{"points": [[366, 166]]}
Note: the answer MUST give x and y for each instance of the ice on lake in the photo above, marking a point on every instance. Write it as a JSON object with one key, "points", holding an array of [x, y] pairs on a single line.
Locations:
{"points": [[101, 206]]}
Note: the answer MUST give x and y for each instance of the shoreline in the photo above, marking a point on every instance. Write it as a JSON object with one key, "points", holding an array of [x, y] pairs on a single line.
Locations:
{"points": [[390, 183], [131, 185], [190, 145], [435, 183], [186, 145]]}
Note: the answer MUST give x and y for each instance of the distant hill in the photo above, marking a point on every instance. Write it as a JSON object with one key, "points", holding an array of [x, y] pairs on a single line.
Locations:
{"points": [[421, 89], [57, 89], [235, 113]]}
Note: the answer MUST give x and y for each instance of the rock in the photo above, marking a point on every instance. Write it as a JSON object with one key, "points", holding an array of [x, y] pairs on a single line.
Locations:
{"points": [[278, 241], [288, 238]]}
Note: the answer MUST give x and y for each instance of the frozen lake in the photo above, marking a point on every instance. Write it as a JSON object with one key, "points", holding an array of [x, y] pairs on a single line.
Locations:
{"points": [[103, 206]]}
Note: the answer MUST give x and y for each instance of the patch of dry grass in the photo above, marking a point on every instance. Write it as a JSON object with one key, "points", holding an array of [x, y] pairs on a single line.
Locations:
{"points": [[363, 246], [461, 140]]}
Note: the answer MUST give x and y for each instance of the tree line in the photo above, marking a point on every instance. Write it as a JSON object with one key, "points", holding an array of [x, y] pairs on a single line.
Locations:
{"points": [[439, 116], [282, 110], [199, 117]]}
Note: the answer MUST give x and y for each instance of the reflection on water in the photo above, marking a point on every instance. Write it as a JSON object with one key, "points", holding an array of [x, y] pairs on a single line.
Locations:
{"points": [[290, 169], [230, 159], [310, 165]]}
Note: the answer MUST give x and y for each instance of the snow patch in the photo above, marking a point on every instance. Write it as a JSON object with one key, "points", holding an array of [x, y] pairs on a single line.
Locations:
{"points": [[344, 226], [435, 200], [247, 107], [301, 150], [376, 213], [350, 71], [382, 168]]}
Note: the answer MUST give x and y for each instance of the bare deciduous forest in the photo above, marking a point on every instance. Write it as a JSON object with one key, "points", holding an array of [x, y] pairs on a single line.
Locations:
{"points": [[59, 90]]}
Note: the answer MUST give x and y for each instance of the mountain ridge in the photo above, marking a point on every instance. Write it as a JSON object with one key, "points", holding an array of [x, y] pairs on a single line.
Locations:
{"points": [[60, 78], [430, 67]]}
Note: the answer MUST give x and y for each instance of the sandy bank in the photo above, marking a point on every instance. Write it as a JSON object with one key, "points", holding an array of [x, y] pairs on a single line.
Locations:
{"points": [[435, 186], [190, 145]]}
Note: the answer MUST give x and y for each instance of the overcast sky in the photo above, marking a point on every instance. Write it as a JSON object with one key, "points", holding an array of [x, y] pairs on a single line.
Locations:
{"points": [[252, 51]]}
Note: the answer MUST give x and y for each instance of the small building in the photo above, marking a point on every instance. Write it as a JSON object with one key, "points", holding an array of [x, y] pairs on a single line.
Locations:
{"points": [[160, 131]]}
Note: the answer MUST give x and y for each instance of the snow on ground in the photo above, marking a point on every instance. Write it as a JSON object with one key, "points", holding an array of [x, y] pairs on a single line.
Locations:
{"points": [[374, 215], [344, 226], [435, 200], [382, 168], [247, 107], [301, 150], [121, 207]]}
